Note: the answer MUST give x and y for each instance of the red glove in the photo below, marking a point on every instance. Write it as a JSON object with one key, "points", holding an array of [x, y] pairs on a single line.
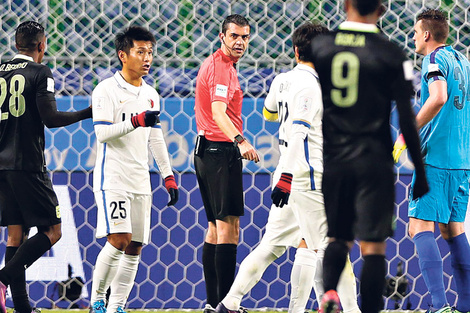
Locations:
{"points": [[146, 118], [170, 185], [281, 192]]}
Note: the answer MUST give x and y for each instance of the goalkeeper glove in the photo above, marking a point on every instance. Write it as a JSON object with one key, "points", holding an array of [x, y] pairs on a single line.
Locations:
{"points": [[281, 192], [145, 119], [170, 185], [398, 148]]}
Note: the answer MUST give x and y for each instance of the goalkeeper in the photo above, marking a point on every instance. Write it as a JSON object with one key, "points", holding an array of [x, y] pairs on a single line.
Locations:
{"points": [[297, 212], [127, 126], [445, 135]]}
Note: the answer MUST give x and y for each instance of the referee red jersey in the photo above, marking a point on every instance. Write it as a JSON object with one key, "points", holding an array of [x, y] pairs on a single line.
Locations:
{"points": [[217, 80]]}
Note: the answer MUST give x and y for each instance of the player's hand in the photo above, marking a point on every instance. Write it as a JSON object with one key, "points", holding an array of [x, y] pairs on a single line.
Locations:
{"points": [[170, 185], [420, 187], [281, 192], [248, 152], [145, 119], [398, 148]]}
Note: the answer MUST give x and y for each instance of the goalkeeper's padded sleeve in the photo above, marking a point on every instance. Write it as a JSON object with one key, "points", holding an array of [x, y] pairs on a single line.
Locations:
{"points": [[145, 119], [398, 148], [159, 151], [281, 192]]}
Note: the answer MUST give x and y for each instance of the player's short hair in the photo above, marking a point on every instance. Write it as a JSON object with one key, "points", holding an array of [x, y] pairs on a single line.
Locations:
{"points": [[303, 36], [236, 19], [435, 22], [366, 7], [28, 35], [125, 39]]}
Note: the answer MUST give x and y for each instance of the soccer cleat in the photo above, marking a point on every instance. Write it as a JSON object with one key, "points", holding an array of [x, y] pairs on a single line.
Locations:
{"points": [[120, 310], [446, 309], [98, 307], [454, 310], [3, 298], [222, 309], [208, 309], [330, 302]]}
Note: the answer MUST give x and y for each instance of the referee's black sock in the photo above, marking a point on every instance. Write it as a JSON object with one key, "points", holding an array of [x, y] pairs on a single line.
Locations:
{"points": [[333, 263], [18, 286], [373, 283], [31, 250], [210, 275], [225, 265]]}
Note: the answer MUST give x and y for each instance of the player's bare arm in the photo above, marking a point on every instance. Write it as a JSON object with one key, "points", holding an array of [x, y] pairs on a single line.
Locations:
{"points": [[435, 102], [226, 126]]}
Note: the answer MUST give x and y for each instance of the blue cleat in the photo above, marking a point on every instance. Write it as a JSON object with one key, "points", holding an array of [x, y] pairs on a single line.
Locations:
{"points": [[98, 307]]}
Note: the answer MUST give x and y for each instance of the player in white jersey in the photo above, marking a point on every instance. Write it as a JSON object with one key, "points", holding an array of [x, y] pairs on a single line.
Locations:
{"points": [[125, 117], [295, 101]]}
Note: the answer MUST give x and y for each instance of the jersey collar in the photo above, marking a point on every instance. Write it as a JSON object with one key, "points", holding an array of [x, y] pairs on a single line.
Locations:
{"points": [[23, 56], [361, 27], [224, 57], [303, 67], [125, 85]]}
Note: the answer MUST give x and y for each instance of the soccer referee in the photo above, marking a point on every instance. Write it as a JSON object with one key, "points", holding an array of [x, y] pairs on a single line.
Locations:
{"points": [[218, 154]]}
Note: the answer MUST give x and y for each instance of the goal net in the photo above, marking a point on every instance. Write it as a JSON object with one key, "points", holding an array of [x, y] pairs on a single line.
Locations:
{"points": [[81, 54]]}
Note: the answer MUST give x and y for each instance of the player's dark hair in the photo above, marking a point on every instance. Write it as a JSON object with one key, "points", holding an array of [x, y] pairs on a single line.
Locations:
{"points": [[435, 21], [125, 39], [236, 19], [366, 7], [28, 35], [303, 36]]}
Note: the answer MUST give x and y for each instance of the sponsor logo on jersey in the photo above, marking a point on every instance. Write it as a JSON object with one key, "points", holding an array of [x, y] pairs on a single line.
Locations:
{"points": [[151, 103], [221, 90]]}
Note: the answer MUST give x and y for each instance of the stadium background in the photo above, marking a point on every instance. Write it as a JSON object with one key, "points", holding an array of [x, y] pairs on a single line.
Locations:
{"points": [[81, 53]]}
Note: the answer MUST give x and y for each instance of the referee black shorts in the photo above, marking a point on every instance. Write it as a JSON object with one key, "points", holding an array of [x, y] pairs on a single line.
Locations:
{"points": [[27, 198], [359, 199], [219, 174]]}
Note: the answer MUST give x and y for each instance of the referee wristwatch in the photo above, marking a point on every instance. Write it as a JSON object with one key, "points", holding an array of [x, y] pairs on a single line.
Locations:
{"points": [[238, 139]]}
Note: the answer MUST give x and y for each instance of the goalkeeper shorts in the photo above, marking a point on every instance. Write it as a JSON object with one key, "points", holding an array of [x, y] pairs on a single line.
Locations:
{"points": [[447, 198]]}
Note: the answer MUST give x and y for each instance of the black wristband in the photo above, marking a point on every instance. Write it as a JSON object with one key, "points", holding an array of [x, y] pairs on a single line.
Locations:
{"points": [[238, 139]]}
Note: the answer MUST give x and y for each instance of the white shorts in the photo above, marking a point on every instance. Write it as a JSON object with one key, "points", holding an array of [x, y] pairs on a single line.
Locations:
{"points": [[123, 212], [304, 217]]}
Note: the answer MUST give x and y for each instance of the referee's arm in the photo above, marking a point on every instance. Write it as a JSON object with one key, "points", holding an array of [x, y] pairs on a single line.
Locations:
{"points": [[226, 126]]}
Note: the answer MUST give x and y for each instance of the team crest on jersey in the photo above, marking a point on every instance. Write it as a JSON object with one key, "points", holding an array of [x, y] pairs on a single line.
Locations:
{"points": [[151, 103], [306, 103]]}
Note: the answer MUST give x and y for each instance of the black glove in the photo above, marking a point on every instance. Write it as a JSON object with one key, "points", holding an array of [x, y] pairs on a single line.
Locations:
{"points": [[170, 185], [145, 119], [281, 192]]}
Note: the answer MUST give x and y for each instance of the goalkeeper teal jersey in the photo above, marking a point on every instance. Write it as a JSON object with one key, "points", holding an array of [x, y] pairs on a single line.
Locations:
{"points": [[445, 140]]}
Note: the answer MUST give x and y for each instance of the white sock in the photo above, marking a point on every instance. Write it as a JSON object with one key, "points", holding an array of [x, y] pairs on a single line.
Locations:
{"points": [[347, 291], [105, 269], [123, 282], [250, 272], [302, 275], [318, 279]]}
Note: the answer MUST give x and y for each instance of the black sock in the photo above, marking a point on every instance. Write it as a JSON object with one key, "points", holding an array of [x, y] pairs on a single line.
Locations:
{"points": [[333, 263], [225, 265], [31, 250], [210, 275], [373, 283], [18, 286]]}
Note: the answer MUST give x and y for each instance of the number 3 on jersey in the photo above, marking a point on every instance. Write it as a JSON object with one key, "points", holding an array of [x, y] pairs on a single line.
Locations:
{"points": [[17, 103], [345, 79]]}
